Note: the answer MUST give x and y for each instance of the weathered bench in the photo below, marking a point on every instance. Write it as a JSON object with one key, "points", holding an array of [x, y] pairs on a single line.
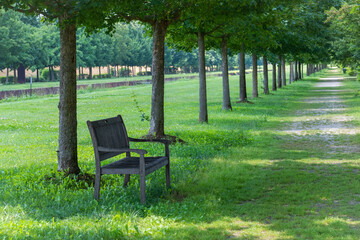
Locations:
{"points": [[110, 139]]}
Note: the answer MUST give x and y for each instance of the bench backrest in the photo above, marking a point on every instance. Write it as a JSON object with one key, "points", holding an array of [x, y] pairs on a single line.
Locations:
{"points": [[108, 133]]}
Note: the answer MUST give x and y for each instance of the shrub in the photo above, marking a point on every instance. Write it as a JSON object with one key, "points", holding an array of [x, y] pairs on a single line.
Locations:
{"points": [[144, 73], [45, 73], [83, 76], [124, 72], [102, 76], [3, 80]]}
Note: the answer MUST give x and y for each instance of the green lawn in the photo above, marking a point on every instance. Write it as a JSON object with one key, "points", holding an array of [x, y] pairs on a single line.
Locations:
{"points": [[4, 87], [238, 177], [93, 81]]}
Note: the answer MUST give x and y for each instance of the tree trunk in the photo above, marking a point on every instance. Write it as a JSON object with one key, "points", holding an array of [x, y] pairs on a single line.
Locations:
{"points": [[157, 97], [90, 72], [100, 72], [266, 75], [242, 73], [37, 74], [307, 69], [53, 76], [291, 72], [203, 113], [299, 72], [68, 160], [279, 75], [296, 72], [15, 78], [302, 70], [79, 73], [21, 73], [283, 63], [49, 73], [7, 76], [255, 92], [225, 76], [274, 77]]}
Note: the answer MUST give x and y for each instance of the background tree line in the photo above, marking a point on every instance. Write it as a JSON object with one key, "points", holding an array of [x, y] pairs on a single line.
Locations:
{"points": [[29, 43]]}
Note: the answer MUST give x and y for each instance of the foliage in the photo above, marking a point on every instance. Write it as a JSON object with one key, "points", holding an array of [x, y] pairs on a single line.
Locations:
{"points": [[10, 80], [346, 29], [45, 74], [127, 46]]}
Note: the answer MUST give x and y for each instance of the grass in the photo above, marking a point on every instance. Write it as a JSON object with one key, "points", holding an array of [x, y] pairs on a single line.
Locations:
{"points": [[238, 177], [9, 87], [4, 87]]}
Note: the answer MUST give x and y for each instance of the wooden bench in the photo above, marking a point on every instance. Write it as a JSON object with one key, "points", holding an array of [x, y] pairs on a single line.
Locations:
{"points": [[110, 139]]}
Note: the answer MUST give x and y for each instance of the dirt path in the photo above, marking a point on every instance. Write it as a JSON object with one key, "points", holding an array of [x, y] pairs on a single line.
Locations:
{"points": [[325, 123]]}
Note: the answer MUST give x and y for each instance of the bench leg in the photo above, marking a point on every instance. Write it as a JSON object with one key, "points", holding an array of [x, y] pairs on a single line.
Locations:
{"points": [[167, 174], [97, 186], [126, 180]]}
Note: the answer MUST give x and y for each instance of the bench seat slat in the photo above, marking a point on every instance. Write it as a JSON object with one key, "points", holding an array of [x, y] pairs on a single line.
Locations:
{"points": [[131, 165]]}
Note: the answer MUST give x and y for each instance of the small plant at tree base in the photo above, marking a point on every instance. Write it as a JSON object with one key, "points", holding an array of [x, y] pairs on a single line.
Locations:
{"points": [[143, 116]]}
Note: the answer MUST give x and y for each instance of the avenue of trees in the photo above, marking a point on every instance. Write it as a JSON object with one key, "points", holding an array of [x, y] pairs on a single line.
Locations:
{"points": [[279, 31]]}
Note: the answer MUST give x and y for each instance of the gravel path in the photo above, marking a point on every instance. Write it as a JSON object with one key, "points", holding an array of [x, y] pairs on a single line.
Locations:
{"points": [[325, 123]]}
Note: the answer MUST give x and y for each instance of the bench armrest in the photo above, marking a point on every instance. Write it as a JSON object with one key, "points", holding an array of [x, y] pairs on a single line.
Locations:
{"points": [[138, 151], [164, 141]]}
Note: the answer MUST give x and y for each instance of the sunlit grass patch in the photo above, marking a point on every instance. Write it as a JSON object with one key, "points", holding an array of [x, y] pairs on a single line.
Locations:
{"points": [[242, 176]]}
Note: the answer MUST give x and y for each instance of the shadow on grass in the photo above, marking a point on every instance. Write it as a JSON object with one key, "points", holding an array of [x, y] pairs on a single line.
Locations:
{"points": [[269, 181]]}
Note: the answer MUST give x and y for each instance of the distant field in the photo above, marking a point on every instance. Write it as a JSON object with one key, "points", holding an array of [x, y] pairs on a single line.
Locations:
{"points": [[104, 80], [87, 82]]}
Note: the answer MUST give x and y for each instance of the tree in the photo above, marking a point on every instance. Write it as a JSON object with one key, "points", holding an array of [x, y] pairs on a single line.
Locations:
{"points": [[15, 42], [159, 15], [345, 29], [69, 15]]}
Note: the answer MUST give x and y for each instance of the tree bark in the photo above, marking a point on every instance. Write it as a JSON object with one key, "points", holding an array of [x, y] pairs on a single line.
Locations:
{"points": [[21, 73], [255, 92], [274, 77], [37, 74], [49, 73], [302, 70], [307, 69], [157, 97], [243, 94], [90, 72], [79, 73], [300, 76], [266, 75], [296, 72], [100, 72], [225, 76], [291, 72], [283, 70], [7, 76], [279, 75], [68, 160], [52, 74], [15, 79], [203, 113]]}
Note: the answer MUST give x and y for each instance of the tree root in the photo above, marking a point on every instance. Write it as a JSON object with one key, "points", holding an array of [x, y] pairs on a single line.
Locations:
{"points": [[245, 101], [172, 139]]}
